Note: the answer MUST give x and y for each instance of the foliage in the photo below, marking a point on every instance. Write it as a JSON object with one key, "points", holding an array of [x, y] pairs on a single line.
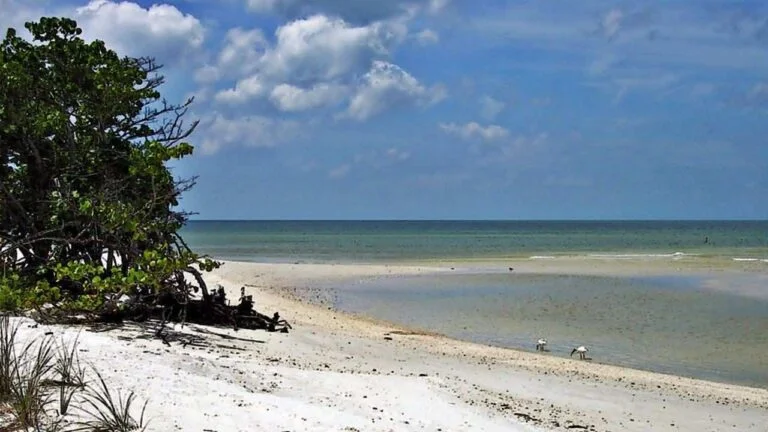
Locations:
{"points": [[87, 202]]}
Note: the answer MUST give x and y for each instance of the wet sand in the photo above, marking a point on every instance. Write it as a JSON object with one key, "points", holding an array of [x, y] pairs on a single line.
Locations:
{"points": [[549, 392]]}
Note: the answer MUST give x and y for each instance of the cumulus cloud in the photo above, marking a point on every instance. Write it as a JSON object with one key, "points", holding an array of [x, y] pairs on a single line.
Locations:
{"points": [[323, 48], [287, 97], [473, 130], [242, 52], [314, 62], [357, 11], [490, 107], [245, 90], [161, 30], [387, 85], [247, 131]]}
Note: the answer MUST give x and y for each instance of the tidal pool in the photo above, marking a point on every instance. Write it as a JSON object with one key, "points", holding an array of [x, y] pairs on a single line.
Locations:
{"points": [[668, 324]]}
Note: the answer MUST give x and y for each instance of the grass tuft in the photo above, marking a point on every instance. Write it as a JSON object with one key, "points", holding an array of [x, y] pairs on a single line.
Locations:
{"points": [[31, 371], [70, 372], [108, 413]]}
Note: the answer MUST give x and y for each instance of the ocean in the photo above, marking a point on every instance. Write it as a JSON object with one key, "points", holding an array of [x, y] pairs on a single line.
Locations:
{"points": [[708, 325], [383, 241]]}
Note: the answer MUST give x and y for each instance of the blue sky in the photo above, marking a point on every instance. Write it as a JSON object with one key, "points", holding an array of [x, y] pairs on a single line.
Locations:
{"points": [[454, 109]]}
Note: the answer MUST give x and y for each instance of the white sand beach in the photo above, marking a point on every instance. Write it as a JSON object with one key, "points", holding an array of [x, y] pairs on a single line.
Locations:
{"points": [[335, 372]]}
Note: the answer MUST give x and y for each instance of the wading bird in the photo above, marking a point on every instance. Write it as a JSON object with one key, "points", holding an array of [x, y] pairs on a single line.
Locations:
{"points": [[582, 350], [541, 345]]}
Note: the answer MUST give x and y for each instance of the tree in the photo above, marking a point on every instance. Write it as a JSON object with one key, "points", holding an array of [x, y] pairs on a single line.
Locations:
{"points": [[87, 203]]}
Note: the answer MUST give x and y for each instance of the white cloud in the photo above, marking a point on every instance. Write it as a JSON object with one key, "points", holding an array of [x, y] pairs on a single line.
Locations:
{"points": [[161, 30], [247, 131], [436, 6], [207, 74], [339, 172], [611, 23], [201, 95], [312, 62], [244, 48], [675, 36], [387, 85], [320, 61], [245, 90], [242, 52], [490, 107], [473, 130], [287, 97], [397, 154], [323, 48], [427, 37]]}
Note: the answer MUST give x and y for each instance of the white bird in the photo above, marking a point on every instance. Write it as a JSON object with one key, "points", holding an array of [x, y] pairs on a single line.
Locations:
{"points": [[582, 350], [541, 344]]}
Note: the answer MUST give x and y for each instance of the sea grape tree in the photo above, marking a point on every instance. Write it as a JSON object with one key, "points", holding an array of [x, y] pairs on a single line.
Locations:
{"points": [[87, 201]]}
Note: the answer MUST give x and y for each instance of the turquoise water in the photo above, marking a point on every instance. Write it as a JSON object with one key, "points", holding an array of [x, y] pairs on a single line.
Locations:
{"points": [[377, 241], [712, 327]]}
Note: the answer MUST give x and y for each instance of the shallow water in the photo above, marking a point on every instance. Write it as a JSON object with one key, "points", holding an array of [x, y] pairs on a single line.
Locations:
{"points": [[714, 328], [674, 324], [378, 241]]}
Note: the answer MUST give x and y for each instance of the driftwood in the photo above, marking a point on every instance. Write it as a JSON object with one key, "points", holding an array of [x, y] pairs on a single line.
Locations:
{"points": [[216, 312], [247, 317], [212, 311]]}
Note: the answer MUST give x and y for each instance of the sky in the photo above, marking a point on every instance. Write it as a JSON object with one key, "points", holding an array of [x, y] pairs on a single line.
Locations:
{"points": [[456, 109]]}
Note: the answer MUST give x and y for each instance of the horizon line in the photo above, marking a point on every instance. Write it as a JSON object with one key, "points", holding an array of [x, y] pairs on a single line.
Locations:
{"points": [[481, 220]]}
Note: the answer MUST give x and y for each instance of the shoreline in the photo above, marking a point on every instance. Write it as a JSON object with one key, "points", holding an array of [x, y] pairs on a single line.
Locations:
{"points": [[274, 287], [340, 372], [327, 274]]}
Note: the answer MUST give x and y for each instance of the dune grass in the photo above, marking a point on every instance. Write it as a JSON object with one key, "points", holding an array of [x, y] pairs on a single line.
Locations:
{"points": [[44, 387]]}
